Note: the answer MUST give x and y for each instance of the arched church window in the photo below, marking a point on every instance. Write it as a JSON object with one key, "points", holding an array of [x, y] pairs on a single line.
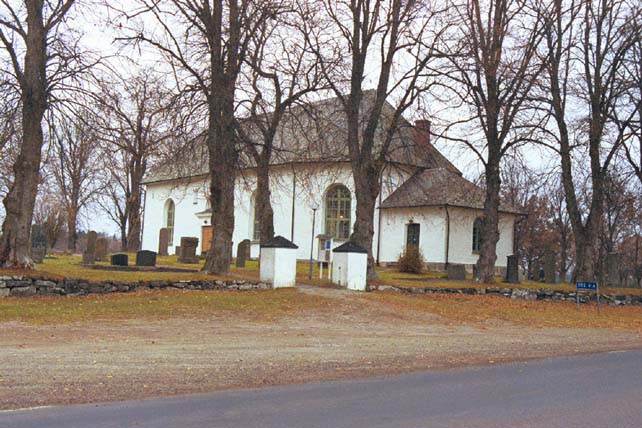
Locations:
{"points": [[169, 220], [337, 212], [477, 235]]}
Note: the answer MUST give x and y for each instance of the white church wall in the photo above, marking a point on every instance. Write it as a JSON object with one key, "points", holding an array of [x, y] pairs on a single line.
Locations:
{"points": [[432, 235], [461, 242], [312, 183], [189, 198]]}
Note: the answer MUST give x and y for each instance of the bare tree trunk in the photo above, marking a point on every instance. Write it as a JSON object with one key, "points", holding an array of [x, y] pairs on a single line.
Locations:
{"points": [[490, 228], [123, 239], [19, 203], [72, 230], [367, 187], [223, 162], [134, 202], [263, 205]]}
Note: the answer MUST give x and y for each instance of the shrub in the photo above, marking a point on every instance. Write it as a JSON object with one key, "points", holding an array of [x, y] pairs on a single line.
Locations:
{"points": [[411, 260]]}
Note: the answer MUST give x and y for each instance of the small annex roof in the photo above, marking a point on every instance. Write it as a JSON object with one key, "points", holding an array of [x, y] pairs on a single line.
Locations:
{"points": [[440, 187]]}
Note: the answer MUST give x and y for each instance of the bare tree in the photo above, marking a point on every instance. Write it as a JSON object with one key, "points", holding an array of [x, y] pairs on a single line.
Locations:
{"points": [[135, 124], [32, 34], [113, 199], [629, 121], [205, 43], [391, 43], [76, 166], [585, 45], [10, 133], [492, 70], [281, 71], [49, 214]]}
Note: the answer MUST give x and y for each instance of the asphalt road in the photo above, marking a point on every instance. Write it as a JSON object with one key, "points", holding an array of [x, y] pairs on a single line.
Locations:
{"points": [[602, 390]]}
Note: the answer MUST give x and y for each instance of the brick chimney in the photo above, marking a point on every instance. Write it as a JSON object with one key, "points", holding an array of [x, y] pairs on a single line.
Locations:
{"points": [[422, 133]]}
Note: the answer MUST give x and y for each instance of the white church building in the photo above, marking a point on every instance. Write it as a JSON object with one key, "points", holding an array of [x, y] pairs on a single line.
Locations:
{"points": [[425, 200]]}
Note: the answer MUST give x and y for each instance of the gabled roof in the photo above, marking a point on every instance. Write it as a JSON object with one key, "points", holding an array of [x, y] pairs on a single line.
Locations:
{"points": [[315, 132], [440, 187]]}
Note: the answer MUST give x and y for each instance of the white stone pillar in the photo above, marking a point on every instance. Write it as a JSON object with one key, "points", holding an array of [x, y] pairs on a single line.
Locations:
{"points": [[278, 262], [350, 266]]}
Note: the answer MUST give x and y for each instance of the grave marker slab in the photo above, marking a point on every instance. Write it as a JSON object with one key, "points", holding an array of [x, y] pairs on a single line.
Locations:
{"points": [[456, 271], [188, 250], [512, 270], [549, 267], [38, 253], [242, 252], [119, 260], [89, 256], [163, 241], [145, 258], [102, 247]]}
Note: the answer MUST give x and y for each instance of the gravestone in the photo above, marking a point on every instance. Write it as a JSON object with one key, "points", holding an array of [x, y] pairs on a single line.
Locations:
{"points": [[549, 267], [456, 271], [613, 269], [102, 247], [89, 256], [119, 260], [38, 253], [163, 241], [512, 270], [38, 237], [242, 252], [177, 251], [145, 258], [188, 250]]}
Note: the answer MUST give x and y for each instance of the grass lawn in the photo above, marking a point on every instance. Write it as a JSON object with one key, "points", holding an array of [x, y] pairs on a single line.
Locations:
{"points": [[264, 305], [478, 310]]}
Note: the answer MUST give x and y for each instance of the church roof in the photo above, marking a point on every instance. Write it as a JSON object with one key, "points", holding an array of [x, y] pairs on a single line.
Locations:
{"points": [[310, 133], [440, 187]]}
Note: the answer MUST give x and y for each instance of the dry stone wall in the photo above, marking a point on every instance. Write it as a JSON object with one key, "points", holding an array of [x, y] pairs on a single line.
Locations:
{"points": [[532, 294], [31, 286]]}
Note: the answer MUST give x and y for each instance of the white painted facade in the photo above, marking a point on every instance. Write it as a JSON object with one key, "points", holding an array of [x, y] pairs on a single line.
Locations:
{"points": [[295, 190]]}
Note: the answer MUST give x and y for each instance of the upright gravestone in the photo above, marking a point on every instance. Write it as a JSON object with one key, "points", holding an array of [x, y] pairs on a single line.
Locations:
{"points": [[89, 256], [38, 253], [102, 247], [242, 252], [549, 267], [188, 250], [163, 241], [613, 269], [512, 270], [38, 237], [456, 271], [119, 260], [145, 258]]}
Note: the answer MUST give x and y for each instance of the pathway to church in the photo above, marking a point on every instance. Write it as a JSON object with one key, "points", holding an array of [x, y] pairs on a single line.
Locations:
{"points": [[348, 334]]}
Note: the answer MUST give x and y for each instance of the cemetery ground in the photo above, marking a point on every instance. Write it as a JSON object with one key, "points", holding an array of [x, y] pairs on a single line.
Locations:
{"points": [[105, 347]]}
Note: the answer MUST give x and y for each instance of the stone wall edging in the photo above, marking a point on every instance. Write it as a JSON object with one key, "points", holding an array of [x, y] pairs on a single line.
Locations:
{"points": [[38, 285], [531, 294]]}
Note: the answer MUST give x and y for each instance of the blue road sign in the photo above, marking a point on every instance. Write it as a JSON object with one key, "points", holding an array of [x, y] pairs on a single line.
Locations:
{"points": [[586, 285]]}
